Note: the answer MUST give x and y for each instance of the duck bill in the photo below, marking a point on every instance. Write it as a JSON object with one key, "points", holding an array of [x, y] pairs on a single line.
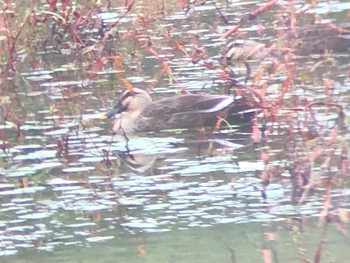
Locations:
{"points": [[118, 108]]}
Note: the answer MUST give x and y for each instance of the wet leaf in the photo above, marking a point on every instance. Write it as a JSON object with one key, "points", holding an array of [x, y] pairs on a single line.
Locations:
{"points": [[141, 250], [333, 135], [317, 152], [264, 157], [128, 85], [256, 133], [181, 46], [267, 255], [344, 215], [118, 62], [96, 67], [23, 182]]}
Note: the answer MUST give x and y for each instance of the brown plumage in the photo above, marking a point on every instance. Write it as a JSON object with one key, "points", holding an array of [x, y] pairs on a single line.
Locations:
{"points": [[138, 113]]}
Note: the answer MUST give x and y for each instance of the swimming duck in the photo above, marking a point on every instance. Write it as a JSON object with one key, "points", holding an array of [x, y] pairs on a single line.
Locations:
{"points": [[312, 39], [138, 113]]}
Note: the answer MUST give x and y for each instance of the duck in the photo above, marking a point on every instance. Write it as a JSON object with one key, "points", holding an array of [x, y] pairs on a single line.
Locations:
{"points": [[311, 39], [319, 38], [137, 112], [246, 50]]}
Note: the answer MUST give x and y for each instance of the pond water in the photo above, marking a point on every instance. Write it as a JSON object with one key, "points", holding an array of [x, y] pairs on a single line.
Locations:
{"points": [[73, 192]]}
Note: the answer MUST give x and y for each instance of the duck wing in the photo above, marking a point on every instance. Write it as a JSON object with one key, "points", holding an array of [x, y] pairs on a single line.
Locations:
{"points": [[189, 103], [187, 111]]}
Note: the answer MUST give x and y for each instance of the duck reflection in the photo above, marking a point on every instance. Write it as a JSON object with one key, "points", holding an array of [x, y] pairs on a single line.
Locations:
{"points": [[141, 162], [138, 163]]}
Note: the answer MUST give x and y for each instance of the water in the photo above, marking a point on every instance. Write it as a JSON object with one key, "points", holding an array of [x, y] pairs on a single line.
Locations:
{"points": [[70, 191]]}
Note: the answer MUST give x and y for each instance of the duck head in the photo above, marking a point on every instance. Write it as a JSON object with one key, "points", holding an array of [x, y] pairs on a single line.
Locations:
{"points": [[131, 102]]}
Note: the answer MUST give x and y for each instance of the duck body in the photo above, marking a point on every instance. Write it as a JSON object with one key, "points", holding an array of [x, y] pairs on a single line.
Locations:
{"points": [[318, 38], [138, 113]]}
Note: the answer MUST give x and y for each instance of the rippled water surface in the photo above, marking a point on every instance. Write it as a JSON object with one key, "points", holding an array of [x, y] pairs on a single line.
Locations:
{"points": [[72, 192]]}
